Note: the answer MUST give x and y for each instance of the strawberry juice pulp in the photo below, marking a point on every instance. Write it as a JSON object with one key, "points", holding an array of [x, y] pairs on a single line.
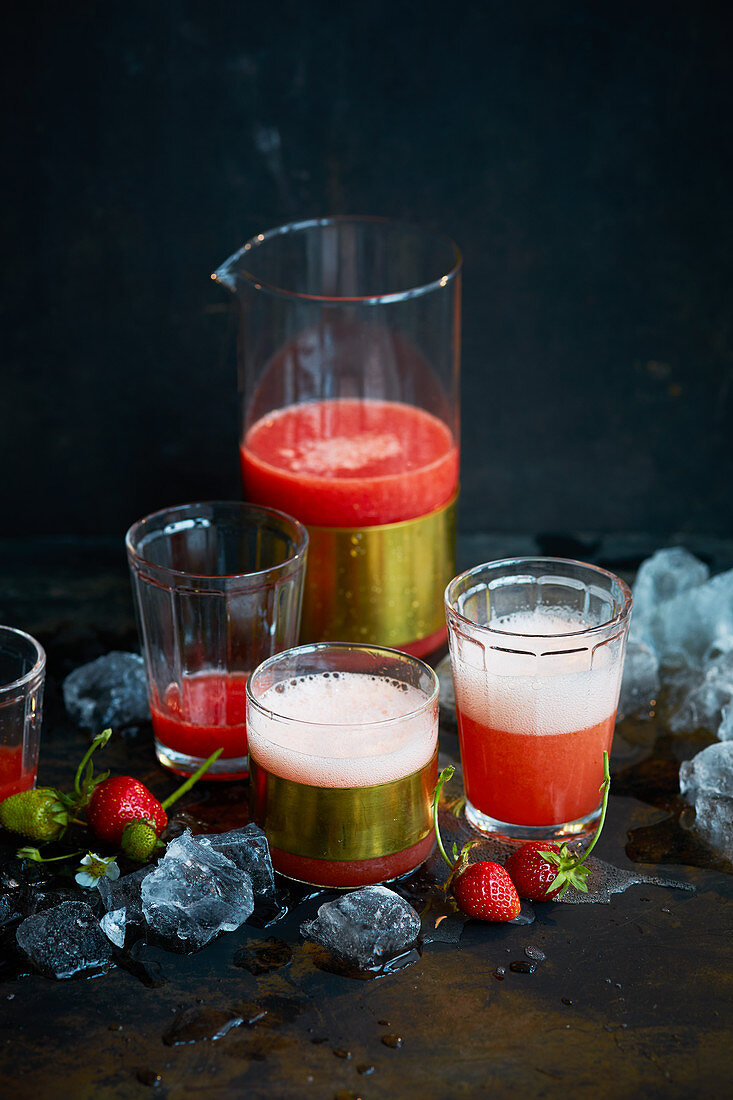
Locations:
{"points": [[532, 745], [207, 712], [362, 748], [350, 463]]}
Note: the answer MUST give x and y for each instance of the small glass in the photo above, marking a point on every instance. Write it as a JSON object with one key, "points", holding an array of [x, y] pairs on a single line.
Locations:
{"points": [[22, 673], [537, 649], [218, 588], [348, 374], [343, 757]]}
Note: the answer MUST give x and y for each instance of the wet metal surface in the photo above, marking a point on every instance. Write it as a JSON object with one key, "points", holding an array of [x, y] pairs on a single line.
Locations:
{"points": [[628, 998]]}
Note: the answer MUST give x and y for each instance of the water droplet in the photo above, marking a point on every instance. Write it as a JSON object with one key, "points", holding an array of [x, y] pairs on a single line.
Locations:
{"points": [[522, 967], [534, 953], [149, 1077], [392, 1041]]}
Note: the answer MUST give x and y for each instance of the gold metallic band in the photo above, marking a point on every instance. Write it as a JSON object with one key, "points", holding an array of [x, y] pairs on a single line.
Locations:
{"points": [[338, 823], [379, 584]]}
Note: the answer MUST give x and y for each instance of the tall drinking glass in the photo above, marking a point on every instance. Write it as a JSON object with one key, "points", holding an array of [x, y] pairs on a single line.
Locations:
{"points": [[218, 588], [348, 368], [22, 674], [537, 649]]}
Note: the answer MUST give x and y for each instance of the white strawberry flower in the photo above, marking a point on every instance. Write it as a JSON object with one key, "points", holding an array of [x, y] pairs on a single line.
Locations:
{"points": [[93, 868]]}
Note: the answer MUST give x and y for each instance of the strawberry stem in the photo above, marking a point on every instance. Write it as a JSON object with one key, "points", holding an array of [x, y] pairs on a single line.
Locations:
{"points": [[35, 855], [445, 775], [100, 740], [192, 779], [605, 788]]}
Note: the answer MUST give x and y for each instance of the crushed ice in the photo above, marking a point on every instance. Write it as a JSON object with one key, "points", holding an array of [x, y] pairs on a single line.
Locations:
{"points": [[195, 893], [110, 691], [706, 781], [681, 640]]}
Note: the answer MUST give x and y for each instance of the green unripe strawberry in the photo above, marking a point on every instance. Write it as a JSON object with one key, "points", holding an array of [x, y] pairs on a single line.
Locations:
{"points": [[140, 841], [39, 815]]}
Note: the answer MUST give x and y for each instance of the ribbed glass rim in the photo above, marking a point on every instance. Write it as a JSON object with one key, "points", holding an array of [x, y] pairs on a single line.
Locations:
{"points": [[299, 535], [342, 647], [227, 272], [13, 634], [615, 620]]}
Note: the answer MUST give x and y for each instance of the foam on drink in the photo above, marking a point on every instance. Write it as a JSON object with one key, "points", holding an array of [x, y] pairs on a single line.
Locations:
{"points": [[344, 729], [510, 694]]}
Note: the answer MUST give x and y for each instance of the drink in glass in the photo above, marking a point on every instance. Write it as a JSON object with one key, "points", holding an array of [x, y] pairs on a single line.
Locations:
{"points": [[349, 378], [343, 746], [537, 648], [22, 674], [218, 589]]}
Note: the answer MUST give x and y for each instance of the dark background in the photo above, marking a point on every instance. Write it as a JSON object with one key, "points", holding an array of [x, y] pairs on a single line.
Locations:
{"points": [[579, 153]]}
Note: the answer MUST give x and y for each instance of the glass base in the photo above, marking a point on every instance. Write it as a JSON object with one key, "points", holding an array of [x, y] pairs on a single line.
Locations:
{"points": [[353, 885], [353, 874], [502, 830], [231, 767]]}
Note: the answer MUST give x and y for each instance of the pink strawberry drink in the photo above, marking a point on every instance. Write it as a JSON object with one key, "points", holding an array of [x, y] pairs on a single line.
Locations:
{"points": [[532, 745], [343, 764], [537, 649]]}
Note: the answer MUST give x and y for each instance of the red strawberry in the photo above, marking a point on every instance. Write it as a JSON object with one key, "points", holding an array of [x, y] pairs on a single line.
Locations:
{"points": [[115, 803], [541, 871], [484, 891], [118, 801], [531, 873]]}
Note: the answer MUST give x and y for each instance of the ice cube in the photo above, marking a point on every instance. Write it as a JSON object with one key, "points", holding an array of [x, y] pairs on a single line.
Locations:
{"points": [[710, 772], [706, 781], [248, 849], [110, 691], [125, 893], [64, 941], [640, 684], [114, 926], [714, 822], [194, 894], [696, 623], [364, 928], [122, 899], [665, 575], [701, 695]]}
